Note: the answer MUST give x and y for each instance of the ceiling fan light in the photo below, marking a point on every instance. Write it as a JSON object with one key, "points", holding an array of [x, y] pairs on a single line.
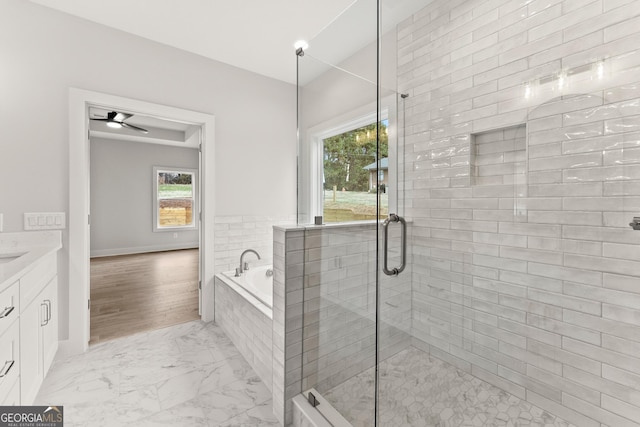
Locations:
{"points": [[114, 125]]}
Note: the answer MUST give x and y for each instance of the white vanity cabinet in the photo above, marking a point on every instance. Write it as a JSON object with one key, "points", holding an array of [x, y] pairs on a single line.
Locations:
{"points": [[38, 326], [28, 312], [9, 346]]}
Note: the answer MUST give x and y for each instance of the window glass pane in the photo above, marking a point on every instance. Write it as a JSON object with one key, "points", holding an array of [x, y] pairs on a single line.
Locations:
{"points": [[176, 212], [175, 199], [350, 168]]}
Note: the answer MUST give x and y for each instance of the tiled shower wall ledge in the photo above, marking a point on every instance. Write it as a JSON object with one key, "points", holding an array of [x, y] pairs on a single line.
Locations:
{"points": [[235, 233], [535, 289]]}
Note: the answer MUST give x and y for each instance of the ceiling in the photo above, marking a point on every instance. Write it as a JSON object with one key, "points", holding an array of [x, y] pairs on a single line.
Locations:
{"points": [[256, 35]]}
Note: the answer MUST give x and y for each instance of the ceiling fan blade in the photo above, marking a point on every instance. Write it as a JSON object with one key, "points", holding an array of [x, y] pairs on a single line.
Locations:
{"points": [[100, 120], [127, 125], [119, 117]]}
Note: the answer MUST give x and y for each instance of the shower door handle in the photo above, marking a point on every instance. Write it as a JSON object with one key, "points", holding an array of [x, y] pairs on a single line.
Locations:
{"points": [[403, 245]]}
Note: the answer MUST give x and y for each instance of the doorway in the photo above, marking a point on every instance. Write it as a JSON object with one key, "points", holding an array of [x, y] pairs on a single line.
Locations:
{"points": [[144, 229], [79, 203]]}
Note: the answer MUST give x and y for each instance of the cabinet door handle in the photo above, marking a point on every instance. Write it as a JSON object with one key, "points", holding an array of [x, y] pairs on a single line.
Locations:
{"points": [[48, 302], [46, 317], [6, 368], [7, 311]]}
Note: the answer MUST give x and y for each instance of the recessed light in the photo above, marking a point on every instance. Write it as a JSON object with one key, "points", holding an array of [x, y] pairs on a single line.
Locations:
{"points": [[301, 44]]}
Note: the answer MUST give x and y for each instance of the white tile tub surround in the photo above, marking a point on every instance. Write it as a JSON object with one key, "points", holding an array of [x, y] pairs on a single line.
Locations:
{"points": [[535, 289], [247, 322], [235, 233]]}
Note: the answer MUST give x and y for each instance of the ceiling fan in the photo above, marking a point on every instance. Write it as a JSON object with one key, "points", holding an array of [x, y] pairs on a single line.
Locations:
{"points": [[116, 120]]}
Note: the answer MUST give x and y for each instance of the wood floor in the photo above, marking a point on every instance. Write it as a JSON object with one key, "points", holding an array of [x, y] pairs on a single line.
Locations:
{"points": [[141, 292]]}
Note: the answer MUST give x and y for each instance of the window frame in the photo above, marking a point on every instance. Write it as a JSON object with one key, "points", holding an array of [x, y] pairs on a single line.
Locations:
{"points": [[156, 200], [318, 134]]}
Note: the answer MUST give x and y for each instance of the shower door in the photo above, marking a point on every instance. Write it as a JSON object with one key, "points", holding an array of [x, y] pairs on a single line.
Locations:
{"points": [[339, 186], [519, 123], [351, 178]]}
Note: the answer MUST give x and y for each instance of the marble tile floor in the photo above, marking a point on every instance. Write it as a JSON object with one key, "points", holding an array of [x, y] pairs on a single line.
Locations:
{"points": [[417, 389], [185, 375]]}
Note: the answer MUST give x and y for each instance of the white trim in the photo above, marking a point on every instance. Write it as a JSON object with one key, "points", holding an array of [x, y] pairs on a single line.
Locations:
{"points": [[79, 102], [143, 249], [194, 197]]}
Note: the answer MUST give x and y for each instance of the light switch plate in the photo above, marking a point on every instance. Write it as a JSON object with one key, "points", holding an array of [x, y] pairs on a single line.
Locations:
{"points": [[44, 220]]}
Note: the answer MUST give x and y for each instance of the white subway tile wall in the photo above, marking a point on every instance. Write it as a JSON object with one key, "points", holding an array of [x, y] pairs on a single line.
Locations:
{"points": [[333, 339], [235, 233], [340, 304], [288, 270], [248, 327], [523, 166]]}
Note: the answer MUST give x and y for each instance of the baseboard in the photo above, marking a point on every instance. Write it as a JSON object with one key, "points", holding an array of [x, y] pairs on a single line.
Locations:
{"points": [[142, 249]]}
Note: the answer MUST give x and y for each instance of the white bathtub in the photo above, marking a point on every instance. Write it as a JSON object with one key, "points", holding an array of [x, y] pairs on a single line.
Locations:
{"points": [[256, 281], [243, 309]]}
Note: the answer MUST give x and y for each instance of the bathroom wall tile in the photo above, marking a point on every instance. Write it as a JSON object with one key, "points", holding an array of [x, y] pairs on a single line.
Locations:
{"points": [[566, 386], [622, 314], [574, 303], [620, 376], [597, 413], [619, 407], [621, 283], [604, 325], [580, 362], [567, 133], [609, 265], [531, 307], [603, 355], [567, 19], [565, 329], [599, 234]]}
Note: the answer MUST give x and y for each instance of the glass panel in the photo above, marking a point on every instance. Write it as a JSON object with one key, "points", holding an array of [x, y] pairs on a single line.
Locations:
{"points": [[520, 138], [338, 129], [513, 154]]}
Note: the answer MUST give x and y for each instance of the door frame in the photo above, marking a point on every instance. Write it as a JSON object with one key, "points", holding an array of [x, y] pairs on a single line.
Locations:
{"points": [[79, 203]]}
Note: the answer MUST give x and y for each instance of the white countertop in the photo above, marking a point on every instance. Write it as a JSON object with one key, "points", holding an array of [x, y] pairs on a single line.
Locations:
{"points": [[34, 245]]}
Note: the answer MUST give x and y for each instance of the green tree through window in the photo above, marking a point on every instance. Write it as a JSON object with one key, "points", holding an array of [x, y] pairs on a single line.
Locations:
{"points": [[350, 175], [346, 155]]}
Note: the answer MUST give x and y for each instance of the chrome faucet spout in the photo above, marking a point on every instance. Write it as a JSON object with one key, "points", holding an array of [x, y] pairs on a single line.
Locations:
{"points": [[243, 265]]}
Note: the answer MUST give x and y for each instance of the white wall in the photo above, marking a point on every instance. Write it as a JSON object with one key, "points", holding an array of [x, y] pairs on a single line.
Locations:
{"points": [[122, 197], [45, 52]]}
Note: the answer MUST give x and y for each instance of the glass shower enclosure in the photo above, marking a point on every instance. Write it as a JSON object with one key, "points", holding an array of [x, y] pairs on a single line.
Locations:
{"points": [[474, 170]]}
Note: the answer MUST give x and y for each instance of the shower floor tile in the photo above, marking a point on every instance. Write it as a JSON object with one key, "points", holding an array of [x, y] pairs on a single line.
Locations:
{"points": [[417, 389]]}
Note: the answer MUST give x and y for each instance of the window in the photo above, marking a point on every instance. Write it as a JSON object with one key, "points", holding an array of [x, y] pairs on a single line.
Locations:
{"points": [[353, 178], [175, 199]]}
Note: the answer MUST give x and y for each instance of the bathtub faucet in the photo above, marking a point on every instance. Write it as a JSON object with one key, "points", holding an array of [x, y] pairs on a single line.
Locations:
{"points": [[245, 265]]}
